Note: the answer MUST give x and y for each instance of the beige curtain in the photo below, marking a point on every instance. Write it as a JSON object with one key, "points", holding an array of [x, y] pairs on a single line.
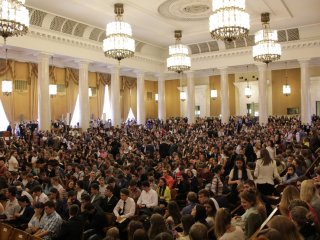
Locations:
{"points": [[72, 87], [8, 71], [128, 96], [102, 80], [33, 85]]}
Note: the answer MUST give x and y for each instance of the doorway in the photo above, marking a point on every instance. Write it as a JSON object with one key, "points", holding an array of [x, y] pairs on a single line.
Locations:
{"points": [[253, 109]]}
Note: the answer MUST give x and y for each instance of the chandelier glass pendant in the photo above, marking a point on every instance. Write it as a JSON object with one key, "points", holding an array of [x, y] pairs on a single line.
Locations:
{"points": [[266, 48], [6, 83], [178, 60], [286, 89], [229, 20], [248, 90], [119, 43], [14, 18]]}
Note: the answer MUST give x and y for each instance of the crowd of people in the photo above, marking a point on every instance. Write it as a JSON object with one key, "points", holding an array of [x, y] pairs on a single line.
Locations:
{"points": [[164, 180]]}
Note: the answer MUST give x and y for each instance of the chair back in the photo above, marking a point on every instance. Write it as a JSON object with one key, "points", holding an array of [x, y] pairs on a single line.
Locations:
{"points": [[5, 231], [18, 234]]}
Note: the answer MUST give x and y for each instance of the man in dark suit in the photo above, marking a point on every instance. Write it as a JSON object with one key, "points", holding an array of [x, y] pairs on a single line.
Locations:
{"points": [[110, 201], [96, 197], [73, 228], [25, 214]]}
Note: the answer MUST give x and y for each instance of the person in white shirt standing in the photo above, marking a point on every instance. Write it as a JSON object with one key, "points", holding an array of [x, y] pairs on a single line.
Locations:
{"points": [[147, 200], [13, 162], [265, 172]]}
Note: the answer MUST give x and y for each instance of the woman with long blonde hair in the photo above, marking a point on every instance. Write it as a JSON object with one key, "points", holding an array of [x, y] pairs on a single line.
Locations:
{"points": [[310, 195], [286, 227], [289, 193]]}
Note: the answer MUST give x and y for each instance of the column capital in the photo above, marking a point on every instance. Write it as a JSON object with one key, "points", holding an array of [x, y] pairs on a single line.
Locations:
{"points": [[115, 69], [190, 74], [261, 66], [160, 76], [304, 61], [223, 70], [139, 74], [44, 55]]}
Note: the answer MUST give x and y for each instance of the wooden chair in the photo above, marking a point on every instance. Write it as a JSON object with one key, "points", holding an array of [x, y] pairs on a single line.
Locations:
{"points": [[264, 224], [34, 238], [18, 234], [111, 219], [5, 231]]}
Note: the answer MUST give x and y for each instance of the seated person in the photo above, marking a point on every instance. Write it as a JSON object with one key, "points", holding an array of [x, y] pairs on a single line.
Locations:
{"points": [[34, 223], [148, 199], [25, 214], [290, 176], [50, 223], [12, 205], [110, 200], [73, 228]]}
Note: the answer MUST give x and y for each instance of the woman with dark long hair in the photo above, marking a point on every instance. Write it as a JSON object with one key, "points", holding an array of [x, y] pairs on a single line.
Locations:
{"points": [[238, 175], [157, 226]]}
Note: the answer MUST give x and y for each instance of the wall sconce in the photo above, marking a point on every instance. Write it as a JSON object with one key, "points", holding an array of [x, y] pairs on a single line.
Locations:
{"points": [[90, 92], [156, 97], [6, 87], [214, 94], [286, 89], [52, 90], [183, 96]]}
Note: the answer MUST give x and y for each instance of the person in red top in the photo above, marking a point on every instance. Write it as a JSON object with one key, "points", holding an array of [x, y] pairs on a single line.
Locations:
{"points": [[3, 167], [168, 178]]}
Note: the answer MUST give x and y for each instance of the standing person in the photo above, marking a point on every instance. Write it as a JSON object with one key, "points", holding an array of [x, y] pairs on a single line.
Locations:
{"points": [[266, 171], [238, 174]]}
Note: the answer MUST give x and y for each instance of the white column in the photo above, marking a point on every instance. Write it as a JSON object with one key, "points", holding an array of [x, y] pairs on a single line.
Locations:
{"points": [[263, 95], [161, 98], [84, 95], [225, 108], [191, 98], [44, 108], [305, 92], [115, 97], [141, 106]]}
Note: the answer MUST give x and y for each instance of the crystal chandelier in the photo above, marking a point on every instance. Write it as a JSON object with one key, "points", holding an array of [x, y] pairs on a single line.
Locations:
{"points": [[286, 89], [14, 18], [178, 59], [229, 20], [6, 84], [267, 48], [119, 43]]}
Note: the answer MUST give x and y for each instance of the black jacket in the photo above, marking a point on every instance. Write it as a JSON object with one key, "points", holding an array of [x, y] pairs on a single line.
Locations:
{"points": [[108, 206], [71, 229]]}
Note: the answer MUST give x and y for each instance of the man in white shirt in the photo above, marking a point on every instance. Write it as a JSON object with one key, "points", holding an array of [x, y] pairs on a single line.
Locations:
{"points": [[148, 199], [38, 195], [125, 208], [12, 205], [13, 162]]}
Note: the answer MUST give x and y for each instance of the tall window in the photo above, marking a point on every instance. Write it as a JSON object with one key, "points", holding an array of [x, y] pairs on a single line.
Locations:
{"points": [[4, 122], [130, 115], [76, 114], [106, 104]]}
